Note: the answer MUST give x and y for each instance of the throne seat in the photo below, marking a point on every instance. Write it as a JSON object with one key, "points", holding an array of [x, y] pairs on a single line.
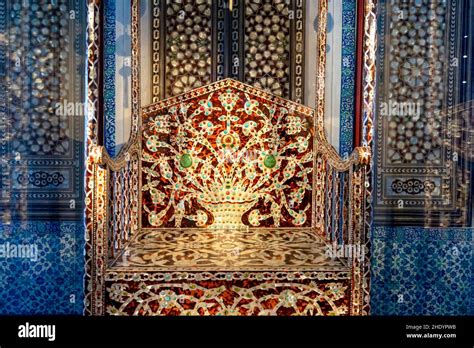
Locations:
{"points": [[193, 250]]}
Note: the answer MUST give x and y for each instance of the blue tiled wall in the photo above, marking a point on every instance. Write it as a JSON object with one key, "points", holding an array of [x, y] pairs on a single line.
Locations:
{"points": [[38, 142], [51, 284], [422, 271]]}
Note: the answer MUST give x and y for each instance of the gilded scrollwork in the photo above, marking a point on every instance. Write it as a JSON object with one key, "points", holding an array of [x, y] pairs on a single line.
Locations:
{"points": [[222, 298]]}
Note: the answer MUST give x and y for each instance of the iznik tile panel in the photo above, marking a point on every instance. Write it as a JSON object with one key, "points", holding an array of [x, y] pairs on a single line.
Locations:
{"points": [[42, 268], [422, 271]]}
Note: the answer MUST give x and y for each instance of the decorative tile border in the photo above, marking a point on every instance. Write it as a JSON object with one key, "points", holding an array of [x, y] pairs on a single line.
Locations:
{"points": [[423, 234], [109, 75], [348, 68]]}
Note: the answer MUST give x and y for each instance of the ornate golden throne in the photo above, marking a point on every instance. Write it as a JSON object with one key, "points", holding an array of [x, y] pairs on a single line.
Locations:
{"points": [[232, 202], [226, 201]]}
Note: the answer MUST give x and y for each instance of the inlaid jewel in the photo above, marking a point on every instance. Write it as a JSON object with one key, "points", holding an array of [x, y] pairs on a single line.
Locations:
{"points": [[186, 161], [269, 161]]}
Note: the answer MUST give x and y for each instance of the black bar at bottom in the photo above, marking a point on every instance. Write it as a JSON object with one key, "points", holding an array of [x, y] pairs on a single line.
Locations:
{"points": [[244, 331]]}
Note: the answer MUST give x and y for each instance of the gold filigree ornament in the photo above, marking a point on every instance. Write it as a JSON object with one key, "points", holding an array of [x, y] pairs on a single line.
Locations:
{"points": [[235, 153]]}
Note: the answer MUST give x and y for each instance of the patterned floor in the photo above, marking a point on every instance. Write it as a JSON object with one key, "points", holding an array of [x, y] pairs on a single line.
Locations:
{"points": [[228, 250]]}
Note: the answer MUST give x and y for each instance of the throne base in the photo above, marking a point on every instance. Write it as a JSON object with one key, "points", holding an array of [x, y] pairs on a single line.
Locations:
{"points": [[227, 272]]}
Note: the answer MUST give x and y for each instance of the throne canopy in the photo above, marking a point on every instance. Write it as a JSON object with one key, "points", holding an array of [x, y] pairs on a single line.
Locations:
{"points": [[227, 155]]}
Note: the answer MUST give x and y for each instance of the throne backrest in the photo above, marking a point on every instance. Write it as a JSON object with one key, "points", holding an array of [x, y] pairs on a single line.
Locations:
{"points": [[227, 155]]}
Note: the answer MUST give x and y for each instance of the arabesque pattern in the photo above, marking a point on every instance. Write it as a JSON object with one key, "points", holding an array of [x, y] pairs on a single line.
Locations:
{"points": [[229, 250], [227, 158], [229, 298]]}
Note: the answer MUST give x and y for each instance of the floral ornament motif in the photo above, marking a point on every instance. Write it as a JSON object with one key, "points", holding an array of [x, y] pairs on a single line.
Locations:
{"points": [[251, 106], [206, 170], [294, 125], [157, 196], [200, 218], [207, 127], [248, 127], [167, 299], [152, 143], [298, 194], [154, 218], [165, 169], [228, 100], [288, 298], [205, 107], [231, 162], [250, 172], [336, 290], [254, 218], [117, 292], [303, 144], [228, 141], [160, 124], [299, 217]]}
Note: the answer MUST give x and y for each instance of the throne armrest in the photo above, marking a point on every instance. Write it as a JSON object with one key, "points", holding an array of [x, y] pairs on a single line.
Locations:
{"points": [[116, 196], [342, 209], [101, 157], [361, 155], [342, 194]]}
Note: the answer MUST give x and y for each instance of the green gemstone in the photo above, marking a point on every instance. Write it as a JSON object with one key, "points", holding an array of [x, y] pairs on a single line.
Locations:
{"points": [[270, 161], [186, 161]]}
